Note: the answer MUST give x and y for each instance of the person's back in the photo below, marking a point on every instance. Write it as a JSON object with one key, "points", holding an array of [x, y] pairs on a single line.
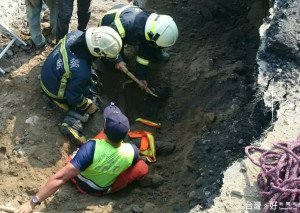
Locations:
{"points": [[66, 76], [102, 160], [53, 69], [133, 21], [107, 163], [148, 32]]}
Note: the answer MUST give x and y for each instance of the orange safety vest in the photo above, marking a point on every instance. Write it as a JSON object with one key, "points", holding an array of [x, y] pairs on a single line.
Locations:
{"points": [[100, 135], [147, 147]]}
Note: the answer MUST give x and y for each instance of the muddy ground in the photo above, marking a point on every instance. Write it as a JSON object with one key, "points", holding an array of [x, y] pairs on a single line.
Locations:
{"points": [[212, 113]]}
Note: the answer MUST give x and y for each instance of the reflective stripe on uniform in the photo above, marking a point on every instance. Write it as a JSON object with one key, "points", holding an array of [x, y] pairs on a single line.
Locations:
{"points": [[91, 183], [142, 61], [82, 103], [117, 19], [149, 123], [49, 93], [67, 74]]}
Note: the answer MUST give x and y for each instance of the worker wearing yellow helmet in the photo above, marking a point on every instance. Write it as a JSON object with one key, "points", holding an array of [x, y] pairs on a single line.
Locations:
{"points": [[149, 32]]}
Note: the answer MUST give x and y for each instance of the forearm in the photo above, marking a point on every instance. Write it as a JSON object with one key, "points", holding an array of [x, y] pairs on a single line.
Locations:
{"points": [[53, 184], [57, 180]]}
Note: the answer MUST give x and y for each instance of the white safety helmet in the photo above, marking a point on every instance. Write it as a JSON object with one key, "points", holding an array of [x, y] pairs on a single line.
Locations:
{"points": [[103, 42], [161, 29]]}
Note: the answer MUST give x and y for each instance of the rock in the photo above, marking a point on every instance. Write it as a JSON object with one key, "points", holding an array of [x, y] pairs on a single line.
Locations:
{"points": [[10, 69], [149, 208], [32, 120], [164, 148], [209, 117], [243, 169], [22, 140], [9, 52], [20, 153], [192, 194], [238, 67], [227, 152], [207, 193], [234, 107], [136, 209], [26, 79], [15, 49], [157, 180], [199, 182], [204, 128], [237, 193], [146, 182]]}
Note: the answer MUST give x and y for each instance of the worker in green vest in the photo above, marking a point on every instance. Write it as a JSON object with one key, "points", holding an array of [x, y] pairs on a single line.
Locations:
{"points": [[102, 165]]}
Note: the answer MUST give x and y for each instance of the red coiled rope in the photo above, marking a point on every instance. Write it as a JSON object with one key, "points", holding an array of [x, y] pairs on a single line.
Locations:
{"points": [[280, 176]]}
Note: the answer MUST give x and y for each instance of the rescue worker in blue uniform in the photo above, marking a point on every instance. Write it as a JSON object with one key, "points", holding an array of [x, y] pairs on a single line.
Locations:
{"points": [[66, 76], [149, 32]]}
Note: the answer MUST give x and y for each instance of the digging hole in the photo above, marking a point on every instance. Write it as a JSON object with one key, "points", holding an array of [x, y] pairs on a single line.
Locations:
{"points": [[212, 111]]}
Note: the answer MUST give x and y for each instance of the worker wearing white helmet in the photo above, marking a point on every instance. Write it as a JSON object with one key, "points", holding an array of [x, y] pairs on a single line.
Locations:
{"points": [[150, 32], [66, 76]]}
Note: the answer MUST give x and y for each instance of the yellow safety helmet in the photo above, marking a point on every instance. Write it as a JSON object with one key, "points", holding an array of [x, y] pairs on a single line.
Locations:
{"points": [[103, 42], [161, 29]]}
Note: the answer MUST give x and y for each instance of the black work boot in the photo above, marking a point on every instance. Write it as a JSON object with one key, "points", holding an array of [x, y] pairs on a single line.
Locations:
{"points": [[72, 127]]}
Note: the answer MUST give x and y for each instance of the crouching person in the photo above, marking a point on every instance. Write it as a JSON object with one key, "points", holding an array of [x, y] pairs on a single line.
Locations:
{"points": [[100, 166], [67, 78]]}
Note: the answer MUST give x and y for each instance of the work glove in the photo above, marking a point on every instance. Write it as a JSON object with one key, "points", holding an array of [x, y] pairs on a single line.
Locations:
{"points": [[91, 108]]}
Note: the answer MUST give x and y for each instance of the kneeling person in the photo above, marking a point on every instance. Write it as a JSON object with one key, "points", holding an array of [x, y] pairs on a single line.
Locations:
{"points": [[67, 76]]}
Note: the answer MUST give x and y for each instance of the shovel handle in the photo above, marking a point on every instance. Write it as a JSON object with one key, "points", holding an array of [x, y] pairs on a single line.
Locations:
{"points": [[126, 71]]}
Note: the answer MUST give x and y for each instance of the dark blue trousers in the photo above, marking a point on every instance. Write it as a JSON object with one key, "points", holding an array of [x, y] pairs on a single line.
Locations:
{"points": [[65, 10]]}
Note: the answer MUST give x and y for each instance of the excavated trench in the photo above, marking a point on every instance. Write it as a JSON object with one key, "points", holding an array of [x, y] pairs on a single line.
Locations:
{"points": [[213, 111]]}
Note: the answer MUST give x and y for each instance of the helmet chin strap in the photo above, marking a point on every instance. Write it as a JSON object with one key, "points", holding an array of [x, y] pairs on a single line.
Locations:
{"points": [[151, 35]]}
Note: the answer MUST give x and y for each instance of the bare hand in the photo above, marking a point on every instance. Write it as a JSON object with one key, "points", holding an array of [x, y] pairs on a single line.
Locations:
{"points": [[25, 208], [120, 65], [145, 84]]}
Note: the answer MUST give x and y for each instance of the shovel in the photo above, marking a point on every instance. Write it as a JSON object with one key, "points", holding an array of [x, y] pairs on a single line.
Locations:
{"points": [[125, 70]]}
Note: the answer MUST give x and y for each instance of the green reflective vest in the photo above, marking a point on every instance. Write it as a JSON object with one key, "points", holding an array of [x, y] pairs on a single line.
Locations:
{"points": [[108, 162]]}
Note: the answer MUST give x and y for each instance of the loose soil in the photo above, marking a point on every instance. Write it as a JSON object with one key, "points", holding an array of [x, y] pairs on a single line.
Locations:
{"points": [[211, 114]]}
